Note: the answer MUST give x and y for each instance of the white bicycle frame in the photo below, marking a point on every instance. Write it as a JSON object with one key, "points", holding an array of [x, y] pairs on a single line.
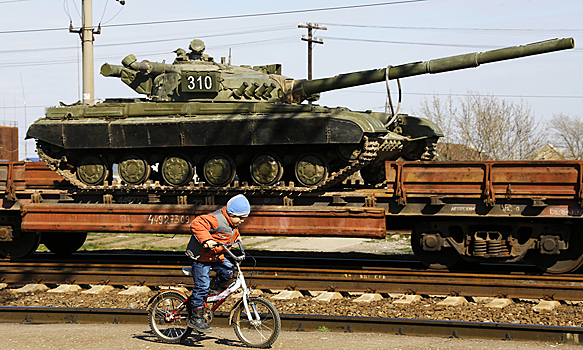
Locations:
{"points": [[239, 283]]}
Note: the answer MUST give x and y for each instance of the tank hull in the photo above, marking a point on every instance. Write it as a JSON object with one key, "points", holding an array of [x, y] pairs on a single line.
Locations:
{"points": [[122, 127], [258, 143]]}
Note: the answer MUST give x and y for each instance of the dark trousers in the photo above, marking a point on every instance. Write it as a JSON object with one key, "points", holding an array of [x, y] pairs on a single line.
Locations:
{"points": [[200, 275]]}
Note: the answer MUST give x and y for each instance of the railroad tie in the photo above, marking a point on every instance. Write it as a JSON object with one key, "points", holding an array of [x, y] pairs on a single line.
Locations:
{"points": [[98, 289], [64, 288]]}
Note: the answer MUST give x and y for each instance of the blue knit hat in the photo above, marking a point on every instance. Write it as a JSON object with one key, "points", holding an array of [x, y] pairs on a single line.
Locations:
{"points": [[238, 206]]}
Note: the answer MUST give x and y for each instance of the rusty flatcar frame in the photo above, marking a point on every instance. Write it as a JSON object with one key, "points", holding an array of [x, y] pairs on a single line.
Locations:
{"points": [[432, 198], [491, 211], [537, 181], [266, 220]]}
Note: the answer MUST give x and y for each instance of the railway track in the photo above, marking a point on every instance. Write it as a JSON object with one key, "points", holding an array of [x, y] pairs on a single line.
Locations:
{"points": [[342, 279], [411, 327]]}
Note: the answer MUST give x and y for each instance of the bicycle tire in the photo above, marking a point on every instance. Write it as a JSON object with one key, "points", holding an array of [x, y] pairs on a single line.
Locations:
{"points": [[265, 333], [173, 331]]}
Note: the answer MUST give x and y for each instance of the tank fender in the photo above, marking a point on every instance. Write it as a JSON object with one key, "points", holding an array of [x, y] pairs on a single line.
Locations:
{"points": [[418, 128]]}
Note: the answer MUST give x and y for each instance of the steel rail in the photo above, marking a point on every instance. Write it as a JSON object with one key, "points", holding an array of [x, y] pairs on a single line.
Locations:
{"points": [[400, 326], [380, 280]]}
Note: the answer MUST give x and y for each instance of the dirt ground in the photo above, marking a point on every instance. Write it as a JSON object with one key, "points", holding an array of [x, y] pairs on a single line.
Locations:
{"points": [[132, 337]]}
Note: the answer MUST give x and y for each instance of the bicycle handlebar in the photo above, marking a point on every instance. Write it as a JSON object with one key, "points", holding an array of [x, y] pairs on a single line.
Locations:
{"points": [[237, 258]]}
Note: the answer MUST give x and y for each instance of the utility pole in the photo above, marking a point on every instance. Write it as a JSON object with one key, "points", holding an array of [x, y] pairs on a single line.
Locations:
{"points": [[311, 40], [86, 33]]}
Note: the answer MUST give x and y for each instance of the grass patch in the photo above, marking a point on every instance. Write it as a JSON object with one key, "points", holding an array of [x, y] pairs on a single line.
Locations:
{"points": [[323, 329], [115, 241]]}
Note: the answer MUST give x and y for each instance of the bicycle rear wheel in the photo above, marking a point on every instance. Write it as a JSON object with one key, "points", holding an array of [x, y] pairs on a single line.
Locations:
{"points": [[265, 326], [168, 319]]}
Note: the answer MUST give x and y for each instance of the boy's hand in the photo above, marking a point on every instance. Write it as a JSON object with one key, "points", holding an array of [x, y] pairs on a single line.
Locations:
{"points": [[209, 244]]}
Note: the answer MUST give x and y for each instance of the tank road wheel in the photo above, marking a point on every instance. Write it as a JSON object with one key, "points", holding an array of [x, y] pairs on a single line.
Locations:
{"points": [[311, 170], [219, 170], [266, 169], [177, 170], [567, 261], [134, 169], [63, 243], [92, 170], [445, 258], [13, 243]]}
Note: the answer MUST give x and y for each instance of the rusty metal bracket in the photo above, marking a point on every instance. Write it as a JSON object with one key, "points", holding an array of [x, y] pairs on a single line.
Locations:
{"points": [[579, 197], [338, 200], [65, 197], [400, 193], [436, 200], [209, 200], [370, 201], [509, 192], [538, 202], [36, 197], [489, 197], [10, 189], [107, 199], [153, 198]]}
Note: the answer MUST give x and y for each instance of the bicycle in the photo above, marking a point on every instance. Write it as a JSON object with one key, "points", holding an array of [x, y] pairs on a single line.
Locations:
{"points": [[255, 320]]}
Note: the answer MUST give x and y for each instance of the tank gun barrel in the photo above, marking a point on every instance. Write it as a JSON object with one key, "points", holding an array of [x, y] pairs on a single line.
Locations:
{"points": [[305, 88]]}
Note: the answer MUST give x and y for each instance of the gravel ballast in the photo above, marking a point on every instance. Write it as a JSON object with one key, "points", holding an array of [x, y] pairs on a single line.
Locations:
{"points": [[566, 314]]}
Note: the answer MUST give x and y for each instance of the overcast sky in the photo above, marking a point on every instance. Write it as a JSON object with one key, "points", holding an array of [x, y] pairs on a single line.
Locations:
{"points": [[39, 58]]}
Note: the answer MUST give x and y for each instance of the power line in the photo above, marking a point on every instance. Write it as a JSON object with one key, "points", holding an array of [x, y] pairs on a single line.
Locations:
{"points": [[422, 43], [334, 8], [464, 95], [461, 29], [150, 54], [165, 40]]}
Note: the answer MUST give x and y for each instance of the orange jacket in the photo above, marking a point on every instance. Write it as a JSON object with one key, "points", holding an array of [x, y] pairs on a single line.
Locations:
{"points": [[216, 226]]}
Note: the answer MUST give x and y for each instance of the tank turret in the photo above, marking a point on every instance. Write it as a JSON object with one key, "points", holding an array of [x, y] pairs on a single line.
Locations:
{"points": [[228, 122], [196, 73]]}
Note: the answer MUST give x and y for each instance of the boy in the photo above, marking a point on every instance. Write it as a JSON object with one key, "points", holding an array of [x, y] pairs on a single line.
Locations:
{"points": [[207, 230]]}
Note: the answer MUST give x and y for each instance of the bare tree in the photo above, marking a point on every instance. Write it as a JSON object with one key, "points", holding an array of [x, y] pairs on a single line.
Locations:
{"points": [[485, 127], [566, 133]]}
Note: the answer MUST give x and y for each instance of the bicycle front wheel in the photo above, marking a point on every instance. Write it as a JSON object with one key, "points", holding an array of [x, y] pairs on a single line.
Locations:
{"points": [[168, 317], [262, 328]]}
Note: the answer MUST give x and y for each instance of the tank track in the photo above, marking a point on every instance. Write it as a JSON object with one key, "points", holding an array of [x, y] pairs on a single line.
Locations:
{"points": [[367, 154]]}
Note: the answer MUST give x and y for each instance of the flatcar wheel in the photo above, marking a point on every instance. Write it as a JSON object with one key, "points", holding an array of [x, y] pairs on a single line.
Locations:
{"points": [[177, 170], [219, 170], [266, 169], [567, 261], [134, 169], [446, 258], [16, 244], [311, 170], [63, 243], [92, 170]]}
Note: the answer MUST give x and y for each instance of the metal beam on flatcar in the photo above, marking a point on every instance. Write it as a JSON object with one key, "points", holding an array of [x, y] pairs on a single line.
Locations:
{"points": [[360, 222]]}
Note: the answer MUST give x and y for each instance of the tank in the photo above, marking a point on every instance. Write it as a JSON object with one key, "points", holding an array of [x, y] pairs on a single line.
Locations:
{"points": [[229, 123]]}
